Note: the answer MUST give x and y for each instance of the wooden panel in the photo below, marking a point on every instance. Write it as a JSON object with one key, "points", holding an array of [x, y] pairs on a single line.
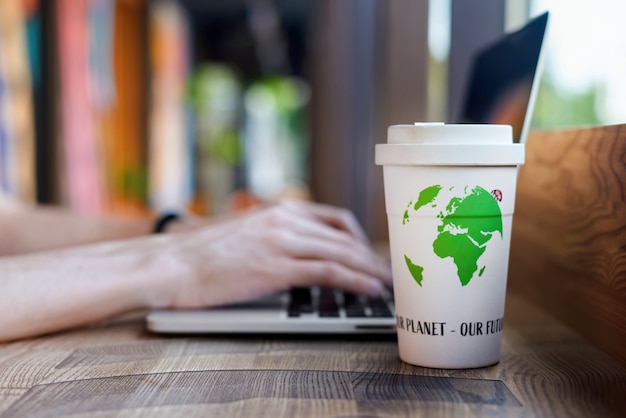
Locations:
{"points": [[568, 250]]}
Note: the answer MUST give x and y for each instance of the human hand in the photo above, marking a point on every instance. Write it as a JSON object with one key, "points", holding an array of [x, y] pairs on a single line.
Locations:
{"points": [[272, 249]]}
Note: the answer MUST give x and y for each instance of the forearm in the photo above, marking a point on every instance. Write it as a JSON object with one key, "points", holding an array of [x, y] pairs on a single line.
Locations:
{"points": [[30, 229], [60, 289]]}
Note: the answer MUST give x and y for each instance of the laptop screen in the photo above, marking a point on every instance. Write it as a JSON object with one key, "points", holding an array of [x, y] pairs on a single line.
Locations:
{"points": [[504, 78]]}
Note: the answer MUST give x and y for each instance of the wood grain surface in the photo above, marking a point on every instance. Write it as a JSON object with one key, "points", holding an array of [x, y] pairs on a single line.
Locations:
{"points": [[120, 369], [568, 250]]}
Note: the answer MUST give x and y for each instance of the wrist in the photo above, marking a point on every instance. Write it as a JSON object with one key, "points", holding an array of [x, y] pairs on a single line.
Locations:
{"points": [[167, 269]]}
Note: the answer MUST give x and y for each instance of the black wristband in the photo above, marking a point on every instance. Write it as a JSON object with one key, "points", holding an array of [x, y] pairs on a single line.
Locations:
{"points": [[163, 220]]}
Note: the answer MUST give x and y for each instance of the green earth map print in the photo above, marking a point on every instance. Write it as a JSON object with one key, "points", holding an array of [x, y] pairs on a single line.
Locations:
{"points": [[468, 222]]}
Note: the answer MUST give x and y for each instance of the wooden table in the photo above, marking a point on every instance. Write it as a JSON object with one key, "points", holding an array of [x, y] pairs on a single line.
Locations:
{"points": [[119, 369]]}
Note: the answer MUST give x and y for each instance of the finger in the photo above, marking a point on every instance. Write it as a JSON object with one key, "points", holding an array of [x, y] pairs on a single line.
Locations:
{"points": [[307, 227], [355, 257], [335, 275], [339, 218], [309, 238]]}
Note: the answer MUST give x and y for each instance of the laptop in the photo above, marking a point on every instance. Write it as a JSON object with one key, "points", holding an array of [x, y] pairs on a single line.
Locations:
{"points": [[504, 79], [501, 89]]}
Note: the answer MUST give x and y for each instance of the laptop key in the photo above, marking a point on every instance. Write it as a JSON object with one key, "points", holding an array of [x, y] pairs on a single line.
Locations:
{"points": [[379, 308], [353, 305], [300, 302], [327, 304]]}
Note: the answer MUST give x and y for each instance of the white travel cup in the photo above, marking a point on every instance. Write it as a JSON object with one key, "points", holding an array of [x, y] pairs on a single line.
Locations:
{"points": [[449, 197]]}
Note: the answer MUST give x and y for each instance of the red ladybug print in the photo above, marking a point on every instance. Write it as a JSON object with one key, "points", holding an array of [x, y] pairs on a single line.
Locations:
{"points": [[497, 194]]}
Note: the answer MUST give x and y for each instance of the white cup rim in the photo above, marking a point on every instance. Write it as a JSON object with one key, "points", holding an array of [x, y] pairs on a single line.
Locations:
{"points": [[450, 154]]}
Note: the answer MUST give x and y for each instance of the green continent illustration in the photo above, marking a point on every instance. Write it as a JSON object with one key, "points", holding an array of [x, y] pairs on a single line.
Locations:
{"points": [[468, 222]]}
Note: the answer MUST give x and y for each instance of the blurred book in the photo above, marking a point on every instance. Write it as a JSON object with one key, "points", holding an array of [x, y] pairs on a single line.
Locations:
{"points": [[125, 146], [17, 136], [170, 133], [81, 157]]}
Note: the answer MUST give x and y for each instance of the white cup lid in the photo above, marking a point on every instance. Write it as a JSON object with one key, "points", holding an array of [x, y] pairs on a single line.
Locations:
{"points": [[442, 133], [449, 144]]}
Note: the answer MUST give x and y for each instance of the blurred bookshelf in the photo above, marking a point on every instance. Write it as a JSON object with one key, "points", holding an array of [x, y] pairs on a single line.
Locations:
{"points": [[209, 106], [135, 106]]}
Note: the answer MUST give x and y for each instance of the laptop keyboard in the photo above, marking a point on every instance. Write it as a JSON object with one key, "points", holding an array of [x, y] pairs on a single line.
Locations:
{"points": [[331, 303]]}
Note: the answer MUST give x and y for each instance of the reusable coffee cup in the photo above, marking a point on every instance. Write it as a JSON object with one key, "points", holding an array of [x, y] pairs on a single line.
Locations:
{"points": [[449, 197]]}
